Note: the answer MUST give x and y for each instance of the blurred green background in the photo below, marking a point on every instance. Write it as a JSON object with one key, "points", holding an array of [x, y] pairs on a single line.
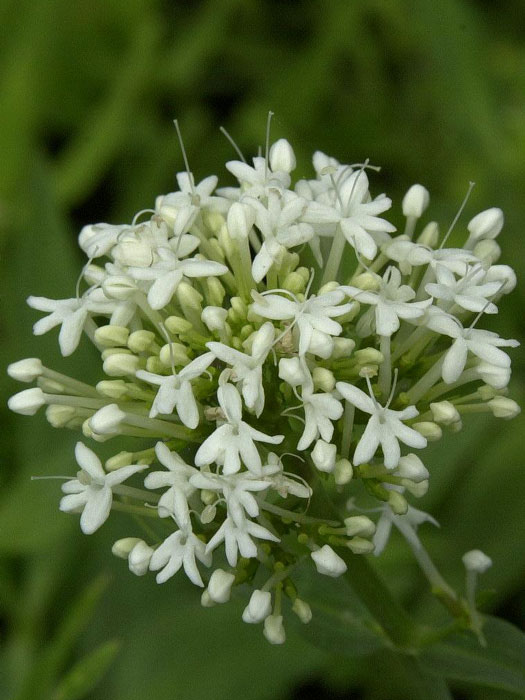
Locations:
{"points": [[432, 91]]}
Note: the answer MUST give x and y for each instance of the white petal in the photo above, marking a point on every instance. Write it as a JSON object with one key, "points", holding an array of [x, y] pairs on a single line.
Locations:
{"points": [[96, 510]]}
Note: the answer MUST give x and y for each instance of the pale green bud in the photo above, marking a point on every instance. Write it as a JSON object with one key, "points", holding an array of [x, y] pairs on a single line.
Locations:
{"points": [[111, 336], [241, 218], [486, 392], [246, 335], [176, 325], [141, 341], [217, 248], [50, 386], [214, 220], [343, 348], [397, 502], [208, 497], [323, 379], [153, 364], [502, 407], [368, 356], [358, 545], [123, 547], [121, 365], [444, 412], [359, 525], [488, 251], [294, 282], [305, 274], [173, 352], [206, 600], [60, 416], [329, 287], [216, 291], [431, 431], [238, 305], [302, 610], [412, 468], [107, 352], [429, 235], [418, 489], [343, 472], [122, 459], [367, 281], [188, 296]]}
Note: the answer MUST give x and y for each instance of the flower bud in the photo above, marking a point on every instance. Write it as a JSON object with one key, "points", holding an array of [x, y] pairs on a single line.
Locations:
{"points": [[417, 489], [343, 472], [111, 336], [215, 291], [241, 218], [88, 432], [290, 371], [488, 251], [122, 459], [486, 224], [139, 558], [220, 586], [294, 282], [274, 629], [343, 348], [324, 379], [208, 514], [214, 317], [323, 456], [113, 389], [25, 370], [173, 352], [502, 273], [368, 356], [133, 252], [188, 296], [177, 325], [27, 402], [141, 341], [321, 344], [123, 547], [429, 235], [119, 287], [367, 281], [359, 525], [153, 364], [411, 467], [302, 610], [397, 502], [60, 416], [444, 412], [415, 201], [358, 545], [496, 377], [282, 157], [502, 407], [259, 607], [121, 364], [206, 600], [107, 420], [327, 562], [50, 386], [431, 431], [477, 561]]}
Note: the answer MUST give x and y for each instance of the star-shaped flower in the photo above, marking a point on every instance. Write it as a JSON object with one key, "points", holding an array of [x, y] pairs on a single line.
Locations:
{"points": [[174, 501], [180, 549]]}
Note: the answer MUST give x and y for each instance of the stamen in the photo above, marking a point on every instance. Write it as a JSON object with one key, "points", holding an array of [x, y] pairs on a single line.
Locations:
{"points": [[480, 314], [267, 148], [139, 214], [170, 344], [394, 383], [232, 142], [184, 156], [460, 210]]}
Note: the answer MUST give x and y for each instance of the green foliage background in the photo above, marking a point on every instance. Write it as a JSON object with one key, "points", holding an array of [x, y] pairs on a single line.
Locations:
{"points": [[432, 91]]}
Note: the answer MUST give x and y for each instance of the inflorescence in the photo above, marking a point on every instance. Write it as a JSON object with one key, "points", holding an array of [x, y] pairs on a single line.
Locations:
{"points": [[273, 354]]}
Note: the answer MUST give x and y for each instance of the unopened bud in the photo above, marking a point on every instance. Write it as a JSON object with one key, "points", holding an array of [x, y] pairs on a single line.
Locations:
{"points": [[122, 459], [415, 201], [486, 392], [274, 629], [282, 157], [241, 218], [367, 281], [188, 296], [486, 224], [488, 251], [444, 412], [214, 317], [220, 586], [323, 379], [411, 467], [327, 562], [502, 273], [477, 561], [368, 356], [50, 386], [27, 402], [139, 558], [428, 429], [206, 600], [60, 416], [291, 371], [175, 353], [359, 525], [25, 370], [121, 365], [141, 341], [323, 456], [208, 514], [496, 377], [177, 325], [429, 235], [107, 420], [123, 547], [343, 348], [119, 287], [215, 291], [294, 282], [502, 407], [113, 389], [302, 610], [358, 545], [343, 472], [397, 502], [417, 489], [259, 607]]}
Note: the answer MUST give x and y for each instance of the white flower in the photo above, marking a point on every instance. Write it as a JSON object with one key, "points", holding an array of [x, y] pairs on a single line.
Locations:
{"points": [[407, 524], [483, 344], [247, 369], [71, 314], [180, 549], [91, 492], [319, 412], [393, 301], [238, 538], [175, 390], [174, 501], [98, 239], [415, 201], [274, 629], [323, 456], [477, 561], [258, 608], [384, 428], [312, 317], [470, 292], [259, 180], [220, 586], [180, 209], [233, 440], [327, 562]]}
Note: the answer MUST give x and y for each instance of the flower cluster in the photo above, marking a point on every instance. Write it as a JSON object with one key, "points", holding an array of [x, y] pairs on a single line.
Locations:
{"points": [[274, 354]]}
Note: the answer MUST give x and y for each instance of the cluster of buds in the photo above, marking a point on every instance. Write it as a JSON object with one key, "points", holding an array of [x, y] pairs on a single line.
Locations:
{"points": [[273, 354]]}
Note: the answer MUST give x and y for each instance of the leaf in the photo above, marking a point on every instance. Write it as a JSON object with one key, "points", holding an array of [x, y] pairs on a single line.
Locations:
{"points": [[501, 664], [87, 672]]}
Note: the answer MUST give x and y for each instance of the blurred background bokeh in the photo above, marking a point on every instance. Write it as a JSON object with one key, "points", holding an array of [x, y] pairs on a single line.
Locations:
{"points": [[434, 92]]}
